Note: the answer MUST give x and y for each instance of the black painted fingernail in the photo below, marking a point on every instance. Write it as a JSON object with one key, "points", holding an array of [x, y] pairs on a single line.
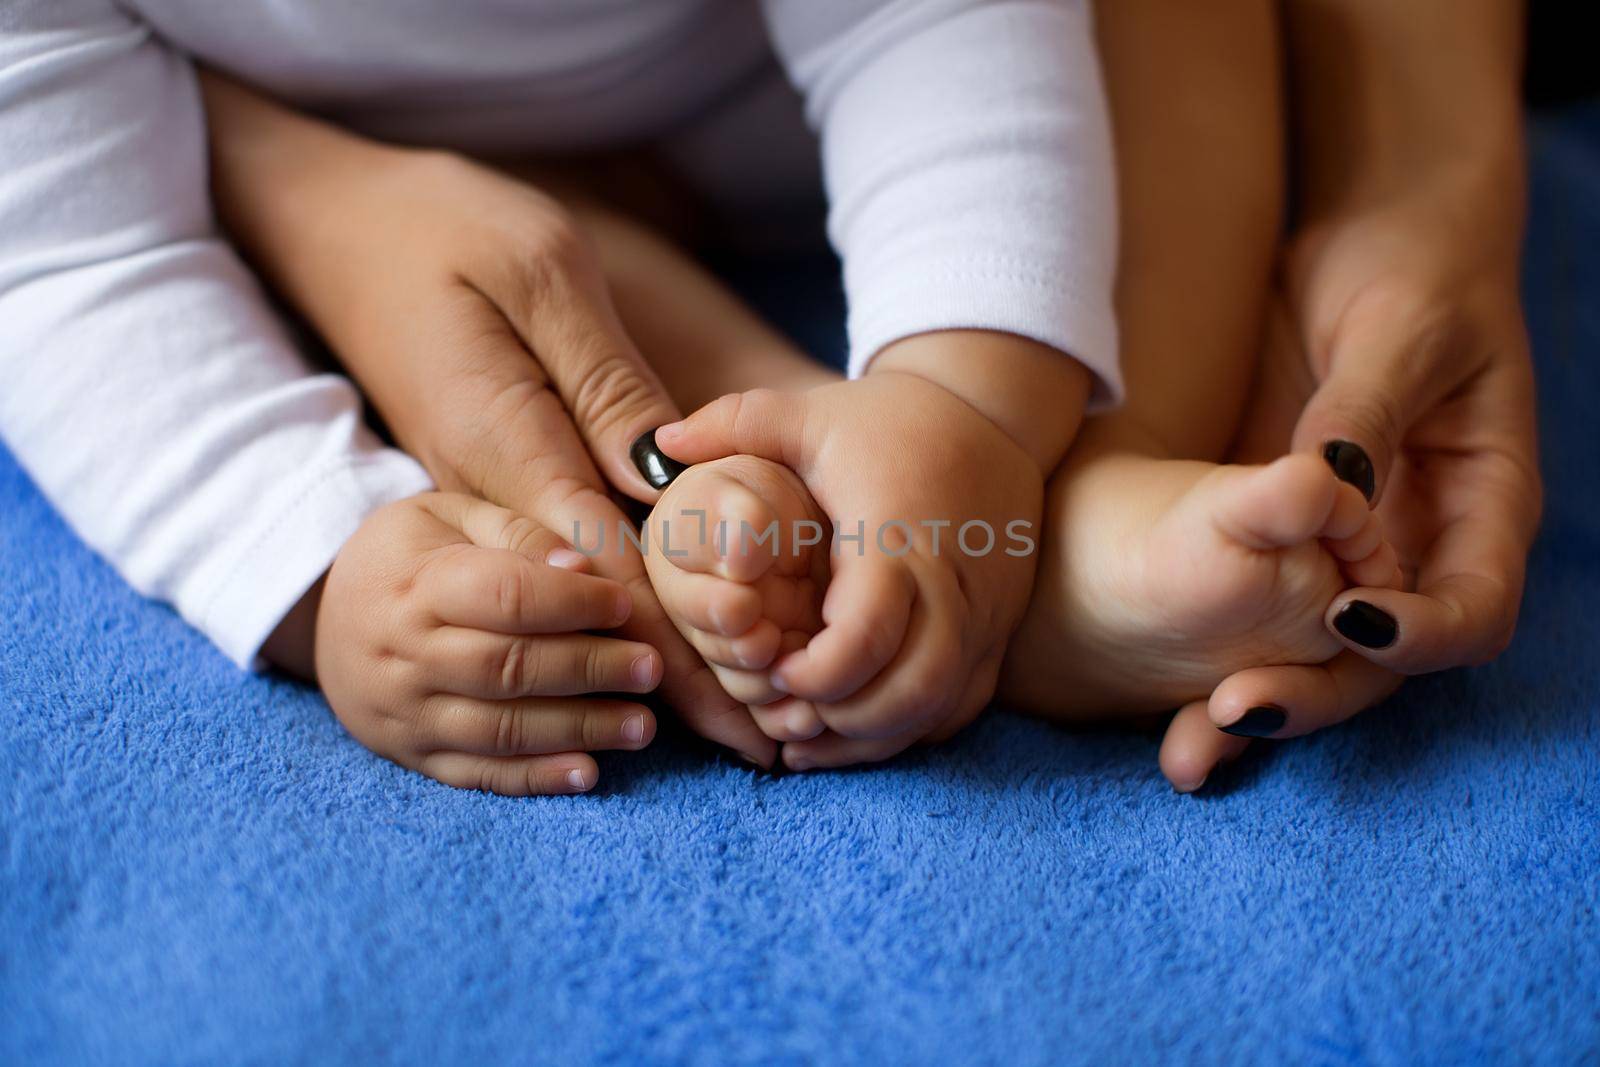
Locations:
{"points": [[1264, 721], [658, 468], [1366, 625], [1351, 463]]}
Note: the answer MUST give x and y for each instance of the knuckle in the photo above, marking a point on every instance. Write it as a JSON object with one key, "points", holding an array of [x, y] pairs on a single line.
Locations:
{"points": [[487, 775], [880, 642], [1375, 414], [523, 536], [513, 595], [508, 733], [519, 668], [592, 730], [550, 248], [609, 392], [750, 409], [594, 669]]}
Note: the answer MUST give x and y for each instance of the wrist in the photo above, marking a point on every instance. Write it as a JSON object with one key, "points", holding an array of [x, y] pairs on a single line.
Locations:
{"points": [[292, 645], [1034, 394]]}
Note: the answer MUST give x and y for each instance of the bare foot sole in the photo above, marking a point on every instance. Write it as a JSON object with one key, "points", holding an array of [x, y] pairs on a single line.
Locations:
{"points": [[738, 555], [1158, 579]]}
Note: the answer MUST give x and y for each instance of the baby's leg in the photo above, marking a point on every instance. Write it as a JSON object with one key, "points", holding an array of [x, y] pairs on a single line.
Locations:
{"points": [[1198, 111], [1160, 572]]}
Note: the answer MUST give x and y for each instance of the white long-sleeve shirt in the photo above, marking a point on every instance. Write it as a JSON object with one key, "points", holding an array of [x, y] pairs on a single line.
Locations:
{"points": [[152, 393]]}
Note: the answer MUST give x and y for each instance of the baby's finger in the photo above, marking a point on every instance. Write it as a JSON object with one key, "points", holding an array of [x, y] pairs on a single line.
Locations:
{"points": [[535, 726], [1193, 746], [525, 776], [1287, 701], [865, 613], [761, 422], [499, 590], [925, 682], [491, 526], [750, 651], [495, 666]]}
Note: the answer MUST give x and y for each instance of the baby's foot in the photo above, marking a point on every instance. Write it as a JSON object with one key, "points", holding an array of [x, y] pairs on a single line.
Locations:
{"points": [[1160, 578], [738, 556]]}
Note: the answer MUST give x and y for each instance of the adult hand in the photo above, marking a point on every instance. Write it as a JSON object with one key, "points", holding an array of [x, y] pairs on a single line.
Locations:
{"points": [[473, 312], [1402, 358]]}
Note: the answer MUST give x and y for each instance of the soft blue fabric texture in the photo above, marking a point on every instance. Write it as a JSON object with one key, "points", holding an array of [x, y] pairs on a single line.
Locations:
{"points": [[196, 866]]}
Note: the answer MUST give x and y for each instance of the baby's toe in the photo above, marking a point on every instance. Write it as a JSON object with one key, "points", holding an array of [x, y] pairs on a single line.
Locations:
{"points": [[788, 720], [752, 650], [705, 602], [1285, 503], [733, 517]]}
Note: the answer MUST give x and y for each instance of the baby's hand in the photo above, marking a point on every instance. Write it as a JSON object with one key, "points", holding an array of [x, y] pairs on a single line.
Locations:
{"points": [[919, 610], [449, 639]]}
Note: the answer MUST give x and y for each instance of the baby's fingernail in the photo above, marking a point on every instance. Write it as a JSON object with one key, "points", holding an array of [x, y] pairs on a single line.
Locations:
{"points": [[776, 681], [565, 558], [1187, 788], [578, 779], [644, 673], [670, 432], [1351, 464], [1367, 625], [658, 468], [799, 763], [633, 729], [752, 761], [1263, 721]]}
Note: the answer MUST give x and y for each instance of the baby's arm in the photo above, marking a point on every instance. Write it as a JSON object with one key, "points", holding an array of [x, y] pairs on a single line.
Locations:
{"points": [[149, 390], [968, 161]]}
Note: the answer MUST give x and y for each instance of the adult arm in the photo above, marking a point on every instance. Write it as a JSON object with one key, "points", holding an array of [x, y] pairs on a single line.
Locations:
{"points": [[1404, 281], [1404, 329]]}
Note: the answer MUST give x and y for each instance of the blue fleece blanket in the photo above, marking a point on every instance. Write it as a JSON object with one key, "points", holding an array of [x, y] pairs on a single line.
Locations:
{"points": [[196, 866]]}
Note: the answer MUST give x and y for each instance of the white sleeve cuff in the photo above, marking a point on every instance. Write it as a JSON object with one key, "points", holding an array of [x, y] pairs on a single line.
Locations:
{"points": [[301, 530], [1003, 295]]}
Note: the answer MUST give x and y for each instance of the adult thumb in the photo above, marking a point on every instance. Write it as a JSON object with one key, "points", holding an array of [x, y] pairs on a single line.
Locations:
{"points": [[1378, 381], [613, 396]]}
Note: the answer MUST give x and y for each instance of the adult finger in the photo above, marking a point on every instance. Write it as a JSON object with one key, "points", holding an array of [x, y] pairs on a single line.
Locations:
{"points": [[1463, 612], [1287, 701], [497, 666], [535, 726], [1383, 372], [1192, 748]]}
